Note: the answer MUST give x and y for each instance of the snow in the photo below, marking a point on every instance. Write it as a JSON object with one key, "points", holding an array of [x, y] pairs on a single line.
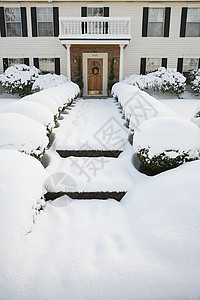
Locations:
{"points": [[93, 124], [33, 110], [22, 133], [86, 174], [145, 247], [163, 135], [48, 80], [163, 80], [19, 74]]}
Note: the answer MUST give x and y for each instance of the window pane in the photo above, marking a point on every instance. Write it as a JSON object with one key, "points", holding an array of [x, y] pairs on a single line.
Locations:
{"points": [[95, 11], [190, 64], [155, 29], [46, 65], [45, 29], [193, 15], [156, 15], [12, 14], [45, 14], [15, 61], [153, 64], [193, 29], [13, 29]]}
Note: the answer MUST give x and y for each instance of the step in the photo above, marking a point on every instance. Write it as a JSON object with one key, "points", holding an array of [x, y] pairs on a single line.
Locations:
{"points": [[88, 174], [86, 195], [89, 153]]}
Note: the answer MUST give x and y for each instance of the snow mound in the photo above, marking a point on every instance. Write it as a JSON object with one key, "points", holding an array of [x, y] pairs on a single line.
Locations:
{"points": [[21, 190], [43, 99], [19, 73], [22, 133], [164, 219], [161, 135], [162, 80], [137, 105], [33, 110], [49, 80]]}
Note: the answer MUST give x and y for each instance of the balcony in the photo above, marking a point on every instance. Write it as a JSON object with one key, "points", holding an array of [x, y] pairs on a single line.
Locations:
{"points": [[95, 28]]}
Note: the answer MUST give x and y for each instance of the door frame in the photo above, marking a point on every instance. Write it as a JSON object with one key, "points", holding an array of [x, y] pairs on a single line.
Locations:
{"points": [[87, 56]]}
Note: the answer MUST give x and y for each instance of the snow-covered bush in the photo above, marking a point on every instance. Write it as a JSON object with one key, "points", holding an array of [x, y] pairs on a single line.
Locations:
{"points": [[137, 105], [22, 133], [21, 189], [48, 80], [19, 79], [55, 98], [195, 83], [162, 80], [165, 143], [34, 110]]}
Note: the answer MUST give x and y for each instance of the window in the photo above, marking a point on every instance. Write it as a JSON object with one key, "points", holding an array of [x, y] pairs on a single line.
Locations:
{"points": [[15, 61], [156, 22], [190, 64], [95, 12], [13, 21], [47, 65], [45, 21], [153, 64], [193, 22]]}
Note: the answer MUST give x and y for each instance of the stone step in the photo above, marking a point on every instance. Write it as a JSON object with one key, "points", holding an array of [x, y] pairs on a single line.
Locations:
{"points": [[86, 195], [89, 153]]}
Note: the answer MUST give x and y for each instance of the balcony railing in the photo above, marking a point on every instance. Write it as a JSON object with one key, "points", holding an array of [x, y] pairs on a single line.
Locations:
{"points": [[95, 27]]}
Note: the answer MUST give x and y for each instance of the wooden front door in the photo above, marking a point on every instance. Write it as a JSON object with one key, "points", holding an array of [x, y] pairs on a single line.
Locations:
{"points": [[95, 76]]}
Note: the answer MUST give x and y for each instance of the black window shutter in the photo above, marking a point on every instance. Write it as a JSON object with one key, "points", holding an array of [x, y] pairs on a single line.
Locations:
{"points": [[57, 65], [36, 62], [5, 64], [26, 61], [2, 22], [83, 11], [164, 62], [143, 66], [106, 12], [56, 21], [199, 64], [145, 21], [34, 21], [167, 21], [180, 65], [183, 21], [84, 24], [24, 21]]}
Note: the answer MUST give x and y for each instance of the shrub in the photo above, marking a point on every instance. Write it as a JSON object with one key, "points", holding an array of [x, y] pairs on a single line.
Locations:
{"points": [[195, 81], [159, 147], [111, 78], [162, 80], [19, 79], [48, 80], [79, 79]]}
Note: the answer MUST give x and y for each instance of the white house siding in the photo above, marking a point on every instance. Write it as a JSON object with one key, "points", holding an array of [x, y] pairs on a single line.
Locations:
{"points": [[171, 47]]}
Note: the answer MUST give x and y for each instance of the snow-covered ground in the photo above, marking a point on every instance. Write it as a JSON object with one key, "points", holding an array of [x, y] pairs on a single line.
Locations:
{"points": [[145, 247]]}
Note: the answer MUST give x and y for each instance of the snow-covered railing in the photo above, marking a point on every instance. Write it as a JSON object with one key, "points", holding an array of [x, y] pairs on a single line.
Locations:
{"points": [[95, 26]]}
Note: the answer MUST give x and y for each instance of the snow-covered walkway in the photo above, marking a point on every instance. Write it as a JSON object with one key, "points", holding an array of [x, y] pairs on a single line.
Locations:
{"points": [[91, 124]]}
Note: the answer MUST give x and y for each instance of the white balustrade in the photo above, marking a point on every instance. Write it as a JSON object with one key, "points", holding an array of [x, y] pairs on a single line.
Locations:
{"points": [[92, 26]]}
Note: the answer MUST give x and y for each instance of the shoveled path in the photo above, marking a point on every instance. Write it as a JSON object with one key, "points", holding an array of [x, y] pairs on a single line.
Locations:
{"points": [[91, 126]]}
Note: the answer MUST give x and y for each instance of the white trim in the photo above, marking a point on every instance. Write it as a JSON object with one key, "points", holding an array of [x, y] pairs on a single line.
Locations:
{"points": [[86, 56], [68, 62], [121, 64], [94, 42]]}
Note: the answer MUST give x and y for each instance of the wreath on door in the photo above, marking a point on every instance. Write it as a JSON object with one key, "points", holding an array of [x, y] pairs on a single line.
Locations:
{"points": [[95, 70]]}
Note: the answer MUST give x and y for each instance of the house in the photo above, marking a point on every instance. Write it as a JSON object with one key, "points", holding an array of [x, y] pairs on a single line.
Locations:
{"points": [[139, 36]]}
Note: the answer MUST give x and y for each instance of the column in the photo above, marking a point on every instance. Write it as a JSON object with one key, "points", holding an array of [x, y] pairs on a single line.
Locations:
{"points": [[121, 64], [68, 62]]}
